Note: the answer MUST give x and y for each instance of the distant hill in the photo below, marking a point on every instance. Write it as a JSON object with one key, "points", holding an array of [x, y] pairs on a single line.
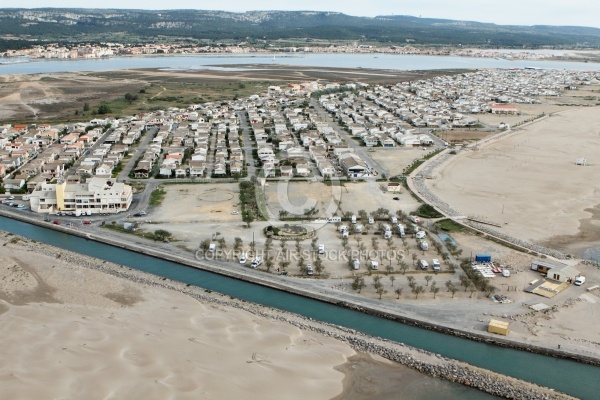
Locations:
{"points": [[137, 26]]}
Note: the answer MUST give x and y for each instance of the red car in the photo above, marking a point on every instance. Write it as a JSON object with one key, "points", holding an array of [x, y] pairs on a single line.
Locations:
{"points": [[87, 222], [56, 222]]}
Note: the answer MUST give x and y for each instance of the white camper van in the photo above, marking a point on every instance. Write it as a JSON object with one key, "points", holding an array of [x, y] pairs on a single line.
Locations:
{"points": [[373, 264], [353, 219], [423, 264], [355, 264]]}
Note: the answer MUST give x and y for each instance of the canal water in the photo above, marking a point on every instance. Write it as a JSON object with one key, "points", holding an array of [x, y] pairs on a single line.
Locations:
{"points": [[574, 378]]}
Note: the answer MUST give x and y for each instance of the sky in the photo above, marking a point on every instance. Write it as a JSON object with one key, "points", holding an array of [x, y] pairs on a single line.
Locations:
{"points": [[503, 12]]}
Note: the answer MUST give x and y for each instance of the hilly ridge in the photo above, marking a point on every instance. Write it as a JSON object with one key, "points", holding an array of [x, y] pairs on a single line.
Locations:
{"points": [[89, 25]]}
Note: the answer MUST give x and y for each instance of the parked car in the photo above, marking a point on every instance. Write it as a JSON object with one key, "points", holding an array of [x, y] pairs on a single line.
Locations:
{"points": [[256, 262], [243, 258], [234, 212], [87, 222], [423, 264], [580, 280], [435, 264], [321, 248], [420, 234], [47, 219], [309, 269], [56, 222]]}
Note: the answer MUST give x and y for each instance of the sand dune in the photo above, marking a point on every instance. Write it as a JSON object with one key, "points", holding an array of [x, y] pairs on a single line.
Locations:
{"points": [[96, 337]]}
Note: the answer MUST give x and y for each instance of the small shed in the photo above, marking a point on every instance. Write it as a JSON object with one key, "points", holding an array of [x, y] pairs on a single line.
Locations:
{"points": [[563, 274], [499, 327], [483, 258]]}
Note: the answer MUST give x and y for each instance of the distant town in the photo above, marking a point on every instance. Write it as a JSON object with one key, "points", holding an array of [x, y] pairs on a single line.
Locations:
{"points": [[91, 51]]}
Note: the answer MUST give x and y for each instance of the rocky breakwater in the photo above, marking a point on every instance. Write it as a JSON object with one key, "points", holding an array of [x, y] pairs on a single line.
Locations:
{"points": [[426, 362]]}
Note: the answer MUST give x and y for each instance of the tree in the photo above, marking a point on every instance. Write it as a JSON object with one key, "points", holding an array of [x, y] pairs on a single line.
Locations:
{"points": [[358, 284], [375, 243], [453, 289], [414, 257], [411, 281], [104, 109], [269, 263], [222, 243], [389, 269], [434, 289], [381, 291], [489, 289], [398, 292], [417, 290], [302, 265], [86, 107], [377, 281], [237, 244], [428, 278], [403, 267], [205, 245], [319, 267], [283, 214], [464, 281], [298, 247], [130, 97], [313, 244], [392, 279], [162, 235], [284, 264], [449, 284], [472, 289], [248, 218]]}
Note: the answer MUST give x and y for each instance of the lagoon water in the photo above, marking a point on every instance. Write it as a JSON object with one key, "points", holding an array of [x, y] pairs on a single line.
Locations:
{"points": [[371, 61], [568, 376]]}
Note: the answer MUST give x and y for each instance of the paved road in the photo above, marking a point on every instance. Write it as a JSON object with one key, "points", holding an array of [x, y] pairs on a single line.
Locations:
{"points": [[139, 151], [359, 150]]}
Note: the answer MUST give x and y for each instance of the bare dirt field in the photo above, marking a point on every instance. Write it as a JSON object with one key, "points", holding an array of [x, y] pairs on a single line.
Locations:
{"points": [[46, 97], [50, 96], [395, 159], [537, 192]]}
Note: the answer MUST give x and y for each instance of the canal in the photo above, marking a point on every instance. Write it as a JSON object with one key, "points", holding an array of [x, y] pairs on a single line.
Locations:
{"points": [[571, 377]]}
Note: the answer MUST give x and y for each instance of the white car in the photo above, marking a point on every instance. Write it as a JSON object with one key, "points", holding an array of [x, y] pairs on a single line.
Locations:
{"points": [[309, 269], [243, 258], [435, 264], [371, 220], [420, 234], [256, 262], [235, 212], [321, 248], [580, 280], [505, 272]]}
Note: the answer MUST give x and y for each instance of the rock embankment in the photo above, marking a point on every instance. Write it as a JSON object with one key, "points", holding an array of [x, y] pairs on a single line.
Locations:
{"points": [[420, 360]]}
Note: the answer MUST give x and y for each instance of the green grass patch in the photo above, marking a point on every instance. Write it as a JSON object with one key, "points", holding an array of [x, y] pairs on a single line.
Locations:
{"points": [[447, 225], [157, 196], [427, 211]]}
